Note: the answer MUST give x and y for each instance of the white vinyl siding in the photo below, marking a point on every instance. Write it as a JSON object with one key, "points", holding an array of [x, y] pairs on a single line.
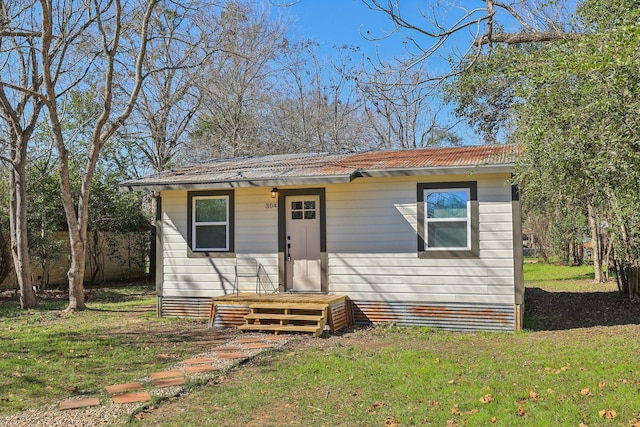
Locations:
{"points": [[371, 244], [201, 276], [371, 232]]}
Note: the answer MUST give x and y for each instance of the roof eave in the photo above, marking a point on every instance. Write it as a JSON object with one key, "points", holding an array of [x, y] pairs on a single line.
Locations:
{"points": [[312, 180], [439, 170], [202, 185]]}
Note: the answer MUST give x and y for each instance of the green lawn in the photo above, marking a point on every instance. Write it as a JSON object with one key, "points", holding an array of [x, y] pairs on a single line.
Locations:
{"points": [[565, 278], [416, 376], [413, 376], [365, 377], [47, 355]]}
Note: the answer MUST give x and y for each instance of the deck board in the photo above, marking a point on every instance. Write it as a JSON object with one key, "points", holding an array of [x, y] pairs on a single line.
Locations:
{"points": [[245, 298]]}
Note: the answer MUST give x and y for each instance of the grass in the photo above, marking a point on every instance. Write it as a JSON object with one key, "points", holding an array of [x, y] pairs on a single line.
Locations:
{"points": [[47, 355], [565, 278], [413, 376], [367, 377]]}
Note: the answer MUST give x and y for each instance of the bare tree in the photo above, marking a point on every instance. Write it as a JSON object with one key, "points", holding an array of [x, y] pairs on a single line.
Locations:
{"points": [[101, 29], [240, 82], [399, 107], [468, 32], [20, 106], [171, 97], [319, 108]]}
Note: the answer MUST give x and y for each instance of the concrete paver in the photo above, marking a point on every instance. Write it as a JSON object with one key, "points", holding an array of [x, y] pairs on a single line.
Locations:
{"points": [[79, 403], [142, 396], [200, 368], [121, 388], [165, 374]]}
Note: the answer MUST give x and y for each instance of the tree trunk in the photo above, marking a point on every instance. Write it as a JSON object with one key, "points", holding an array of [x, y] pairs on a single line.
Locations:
{"points": [[596, 245], [5, 255], [18, 224], [76, 274]]}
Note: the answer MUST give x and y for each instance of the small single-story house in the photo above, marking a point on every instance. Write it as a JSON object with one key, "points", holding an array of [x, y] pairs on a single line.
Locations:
{"points": [[427, 236]]}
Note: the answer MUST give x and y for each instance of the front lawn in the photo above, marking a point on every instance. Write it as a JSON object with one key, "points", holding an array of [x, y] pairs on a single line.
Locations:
{"points": [[389, 376], [557, 372], [47, 355]]}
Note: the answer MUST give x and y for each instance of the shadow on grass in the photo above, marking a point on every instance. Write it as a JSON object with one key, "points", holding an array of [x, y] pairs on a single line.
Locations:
{"points": [[549, 311]]}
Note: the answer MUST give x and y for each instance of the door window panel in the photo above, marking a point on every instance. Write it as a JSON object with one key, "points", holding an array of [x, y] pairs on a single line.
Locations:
{"points": [[303, 209]]}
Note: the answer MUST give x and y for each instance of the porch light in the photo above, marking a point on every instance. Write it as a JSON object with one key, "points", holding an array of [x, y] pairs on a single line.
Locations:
{"points": [[274, 192]]}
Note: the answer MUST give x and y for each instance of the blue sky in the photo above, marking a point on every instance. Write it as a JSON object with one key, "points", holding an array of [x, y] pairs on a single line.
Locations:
{"points": [[338, 22]]}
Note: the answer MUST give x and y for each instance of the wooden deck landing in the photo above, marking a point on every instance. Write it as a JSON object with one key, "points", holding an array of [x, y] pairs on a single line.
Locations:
{"points": [[241, 311]]}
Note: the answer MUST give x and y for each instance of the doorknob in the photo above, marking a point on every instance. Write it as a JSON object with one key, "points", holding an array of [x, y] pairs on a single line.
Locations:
{"points": [[288, 252]]}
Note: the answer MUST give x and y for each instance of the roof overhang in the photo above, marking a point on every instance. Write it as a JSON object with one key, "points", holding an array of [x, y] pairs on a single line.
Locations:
{"points": [[156, 186]]}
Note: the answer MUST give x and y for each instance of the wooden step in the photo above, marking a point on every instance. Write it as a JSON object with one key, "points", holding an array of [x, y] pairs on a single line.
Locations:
{"points": [[315, 330], [288, 306], [276, 316]]}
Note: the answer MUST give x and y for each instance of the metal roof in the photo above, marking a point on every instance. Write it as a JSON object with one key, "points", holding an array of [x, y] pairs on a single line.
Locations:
{"points": [[292, 169]]}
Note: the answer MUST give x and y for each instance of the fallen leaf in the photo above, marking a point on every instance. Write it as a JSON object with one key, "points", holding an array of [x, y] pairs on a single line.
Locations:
{"points": [[494, 420], [609, 414], [521, 412], [376, 405], [586, 392], [486, 398], [451, 423], [168, 356], [533, 395], [634, 423], [582, 425], [456, 411], [435, 403], [391, 422], [601, 383]]}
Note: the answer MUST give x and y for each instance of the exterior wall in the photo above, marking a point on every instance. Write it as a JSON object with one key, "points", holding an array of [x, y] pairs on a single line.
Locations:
{"points": [[371, 240], [256, 235], [371, 232]]}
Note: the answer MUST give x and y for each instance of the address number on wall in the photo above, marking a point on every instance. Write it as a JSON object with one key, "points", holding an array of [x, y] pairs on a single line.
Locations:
{"points": [[271, 206]]}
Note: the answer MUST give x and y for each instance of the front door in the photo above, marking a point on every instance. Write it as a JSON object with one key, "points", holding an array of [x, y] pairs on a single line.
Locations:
{"points": [[302, 246]]}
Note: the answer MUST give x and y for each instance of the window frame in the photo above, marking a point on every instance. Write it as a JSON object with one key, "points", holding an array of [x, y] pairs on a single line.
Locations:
{"points": [[472, 249], [192, 197]]}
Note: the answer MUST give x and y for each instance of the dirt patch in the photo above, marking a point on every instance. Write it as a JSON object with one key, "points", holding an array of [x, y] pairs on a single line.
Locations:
{"points": [[547, 310]]}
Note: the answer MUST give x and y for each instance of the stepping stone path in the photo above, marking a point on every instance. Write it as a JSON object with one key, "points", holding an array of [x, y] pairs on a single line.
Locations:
{"points": [[134, 392]]}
